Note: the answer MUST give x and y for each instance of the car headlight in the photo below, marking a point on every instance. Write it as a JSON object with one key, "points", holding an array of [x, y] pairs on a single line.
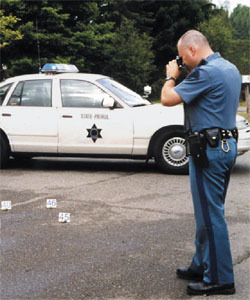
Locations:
{"points": [[241, 122]]}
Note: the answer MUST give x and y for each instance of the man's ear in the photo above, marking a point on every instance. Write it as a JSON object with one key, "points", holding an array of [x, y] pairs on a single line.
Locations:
{"points": [[192, 50]]}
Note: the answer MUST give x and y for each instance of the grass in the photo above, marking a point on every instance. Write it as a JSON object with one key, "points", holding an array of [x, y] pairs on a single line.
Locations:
{"points": [[243, 104], [243, 114]]}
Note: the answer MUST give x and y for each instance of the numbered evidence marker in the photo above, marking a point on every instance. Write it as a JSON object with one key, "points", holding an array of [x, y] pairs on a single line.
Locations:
{"points": [[51, 203], [5, 205], [64, 217]]}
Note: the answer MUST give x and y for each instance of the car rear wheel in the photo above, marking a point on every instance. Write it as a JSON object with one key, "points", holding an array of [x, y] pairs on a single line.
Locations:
{"points": [[4, 152], [170, 152]]}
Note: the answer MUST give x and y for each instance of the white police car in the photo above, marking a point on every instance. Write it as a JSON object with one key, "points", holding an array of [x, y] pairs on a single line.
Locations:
{"points": [[65, 113]]}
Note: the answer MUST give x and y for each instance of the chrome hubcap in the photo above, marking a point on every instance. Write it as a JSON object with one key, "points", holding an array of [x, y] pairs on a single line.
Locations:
{"points": [[174, 152]]}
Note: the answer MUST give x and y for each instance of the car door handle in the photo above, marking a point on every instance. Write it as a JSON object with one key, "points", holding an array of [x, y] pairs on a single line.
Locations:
{"points": [[6, 115], [67, 116]]}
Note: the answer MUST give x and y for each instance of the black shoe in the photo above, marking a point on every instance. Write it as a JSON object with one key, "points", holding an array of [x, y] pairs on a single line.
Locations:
{"points": [[203, 288], [188, 274]]}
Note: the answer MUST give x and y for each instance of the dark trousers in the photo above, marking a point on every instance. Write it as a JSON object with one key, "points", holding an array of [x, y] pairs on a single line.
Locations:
{"points": [[209, 186]]}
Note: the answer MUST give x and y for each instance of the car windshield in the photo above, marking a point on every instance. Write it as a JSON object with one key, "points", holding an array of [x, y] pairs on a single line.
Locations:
{"points": [[128, 96]]}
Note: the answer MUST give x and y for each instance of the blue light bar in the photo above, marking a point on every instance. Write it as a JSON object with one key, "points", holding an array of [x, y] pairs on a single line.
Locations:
{"points": [[59, 68]]}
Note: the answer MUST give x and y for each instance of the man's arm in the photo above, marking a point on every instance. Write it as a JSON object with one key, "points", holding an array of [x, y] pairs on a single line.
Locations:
{"points": [[169, 97]]}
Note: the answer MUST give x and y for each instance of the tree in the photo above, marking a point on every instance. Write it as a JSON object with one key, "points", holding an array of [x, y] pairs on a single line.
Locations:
{"points": [[76, 32], [164, 21], [64, 31], [86, 33], [131, 61], [240, 23], [219, 32], [239, 55], [241, 35], [7, 32]]}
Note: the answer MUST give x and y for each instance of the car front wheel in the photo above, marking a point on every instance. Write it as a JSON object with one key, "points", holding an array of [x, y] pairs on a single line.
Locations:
{"points": [[170, 152]]}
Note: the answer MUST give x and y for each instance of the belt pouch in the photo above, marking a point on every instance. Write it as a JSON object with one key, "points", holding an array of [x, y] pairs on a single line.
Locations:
{"points": [[212, 136]]}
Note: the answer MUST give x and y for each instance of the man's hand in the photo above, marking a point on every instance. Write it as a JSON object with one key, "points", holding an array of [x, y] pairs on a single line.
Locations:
{"points": [[172, 69], [168, 95]]}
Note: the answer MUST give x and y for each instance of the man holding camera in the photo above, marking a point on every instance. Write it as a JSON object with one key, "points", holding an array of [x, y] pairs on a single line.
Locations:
{"points": [[210, 94]]}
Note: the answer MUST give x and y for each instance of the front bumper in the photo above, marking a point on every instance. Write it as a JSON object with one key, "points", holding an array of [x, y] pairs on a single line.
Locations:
{"points": [[244, 140]]}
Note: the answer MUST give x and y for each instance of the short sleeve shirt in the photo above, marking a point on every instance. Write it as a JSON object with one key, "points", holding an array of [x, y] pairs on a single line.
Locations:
{"points": [[211, 93]]}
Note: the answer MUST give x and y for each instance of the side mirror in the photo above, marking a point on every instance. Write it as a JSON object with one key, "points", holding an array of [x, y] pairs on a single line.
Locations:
{"points": [[108, 102], [147, 91]]}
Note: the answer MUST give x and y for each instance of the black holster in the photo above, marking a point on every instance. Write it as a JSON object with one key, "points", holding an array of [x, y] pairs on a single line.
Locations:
{"points": [[196, 145]]}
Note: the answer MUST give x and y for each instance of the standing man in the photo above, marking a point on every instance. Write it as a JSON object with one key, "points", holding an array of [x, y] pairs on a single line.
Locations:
{"points": [[210, 94]]}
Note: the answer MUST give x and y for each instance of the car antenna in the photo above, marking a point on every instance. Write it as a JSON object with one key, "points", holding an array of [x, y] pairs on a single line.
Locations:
{"points": [[38, 48]]}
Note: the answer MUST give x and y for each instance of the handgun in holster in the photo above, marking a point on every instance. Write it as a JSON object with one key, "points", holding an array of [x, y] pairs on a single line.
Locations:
{"points": [[196, 147]]}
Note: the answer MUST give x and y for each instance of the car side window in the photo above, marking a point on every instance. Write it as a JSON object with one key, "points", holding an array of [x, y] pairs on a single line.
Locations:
{"points": [[3, 92], [80, 93], [32, 93]]}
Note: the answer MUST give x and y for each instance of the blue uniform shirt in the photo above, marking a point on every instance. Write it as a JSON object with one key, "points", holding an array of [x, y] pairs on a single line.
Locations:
{"points": [[211, 93]]}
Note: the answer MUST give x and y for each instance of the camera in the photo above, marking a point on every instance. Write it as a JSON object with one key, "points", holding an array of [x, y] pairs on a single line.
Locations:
{"points": [[179, 62]]}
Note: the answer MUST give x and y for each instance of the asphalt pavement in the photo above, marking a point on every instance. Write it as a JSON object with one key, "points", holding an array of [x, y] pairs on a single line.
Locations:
{"points": [[130, 228]]}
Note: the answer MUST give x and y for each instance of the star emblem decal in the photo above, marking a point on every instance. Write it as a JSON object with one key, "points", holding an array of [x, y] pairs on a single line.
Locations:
{"points": [[94, 133]]}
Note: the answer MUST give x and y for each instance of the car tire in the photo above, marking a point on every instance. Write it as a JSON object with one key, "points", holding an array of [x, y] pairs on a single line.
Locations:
{"points": [[170, 152], [4, 152]]}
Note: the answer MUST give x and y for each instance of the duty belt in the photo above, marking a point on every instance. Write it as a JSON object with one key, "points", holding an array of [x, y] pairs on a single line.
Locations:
{"points": [[227, 134], [224, 134], [211, 136]]}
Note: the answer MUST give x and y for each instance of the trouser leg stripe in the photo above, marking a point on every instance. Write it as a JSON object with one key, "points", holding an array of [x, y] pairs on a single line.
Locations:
{"points": [[208, 224], [227, 178]]}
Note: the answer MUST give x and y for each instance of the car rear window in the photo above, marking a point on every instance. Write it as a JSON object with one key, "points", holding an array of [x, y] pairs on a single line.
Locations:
{"points": [[32, 93], [3, 92]]}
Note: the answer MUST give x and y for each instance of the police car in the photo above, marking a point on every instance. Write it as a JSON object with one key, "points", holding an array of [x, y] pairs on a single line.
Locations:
{"points": [[62, 112]]}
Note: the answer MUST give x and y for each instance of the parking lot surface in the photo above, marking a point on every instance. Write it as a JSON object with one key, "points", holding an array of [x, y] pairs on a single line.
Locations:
{"points": [[130, 228]]}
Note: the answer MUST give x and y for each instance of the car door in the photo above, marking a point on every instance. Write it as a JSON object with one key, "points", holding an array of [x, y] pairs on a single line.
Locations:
{"points": [[29, 119], [86, 127]]}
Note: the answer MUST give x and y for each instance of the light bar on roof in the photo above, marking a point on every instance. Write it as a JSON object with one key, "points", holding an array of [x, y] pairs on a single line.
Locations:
{"points": [[59, 68]]}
